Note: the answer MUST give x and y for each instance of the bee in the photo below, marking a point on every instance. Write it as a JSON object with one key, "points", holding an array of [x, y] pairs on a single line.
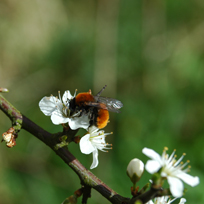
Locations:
{"points": [[97, 107]]}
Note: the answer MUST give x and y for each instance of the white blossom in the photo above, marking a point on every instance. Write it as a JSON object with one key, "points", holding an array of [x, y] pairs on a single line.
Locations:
{"points": [[58, 109], [171, 169], [93, 141], [165, 200]]}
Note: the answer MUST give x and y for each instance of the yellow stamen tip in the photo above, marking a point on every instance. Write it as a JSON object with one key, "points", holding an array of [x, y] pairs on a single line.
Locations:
{"points": [[184, 154]]}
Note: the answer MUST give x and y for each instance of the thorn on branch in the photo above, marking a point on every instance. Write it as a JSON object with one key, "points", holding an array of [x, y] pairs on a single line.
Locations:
{"points": [[10, 137]]}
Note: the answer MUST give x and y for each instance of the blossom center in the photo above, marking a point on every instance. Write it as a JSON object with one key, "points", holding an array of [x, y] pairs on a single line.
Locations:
{"points": [[98, 140], [171, 166]]}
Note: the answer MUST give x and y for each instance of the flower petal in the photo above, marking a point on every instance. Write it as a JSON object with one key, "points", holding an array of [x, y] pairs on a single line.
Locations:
{"points": [[176, 186], [57, 118], [79, 122], [152, 166], [48, 105], [95, 159], [66, 97], [93, 129], [151, 154], [85, 145], [190, 180]]}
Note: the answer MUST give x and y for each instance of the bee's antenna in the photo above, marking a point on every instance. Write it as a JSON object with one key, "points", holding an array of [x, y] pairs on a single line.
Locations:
{"points": [[99, 93]]}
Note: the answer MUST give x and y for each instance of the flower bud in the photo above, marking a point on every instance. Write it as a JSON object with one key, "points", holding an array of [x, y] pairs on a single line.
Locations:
{"points": [[135, 170]]}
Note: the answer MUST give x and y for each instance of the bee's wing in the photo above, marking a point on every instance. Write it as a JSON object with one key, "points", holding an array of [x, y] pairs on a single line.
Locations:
{"points": [[96, 104], [112, 104]]}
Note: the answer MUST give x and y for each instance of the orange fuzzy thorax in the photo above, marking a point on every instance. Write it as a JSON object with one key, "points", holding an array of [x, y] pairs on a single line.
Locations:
{"points": [[102, 118], [81, 98]]}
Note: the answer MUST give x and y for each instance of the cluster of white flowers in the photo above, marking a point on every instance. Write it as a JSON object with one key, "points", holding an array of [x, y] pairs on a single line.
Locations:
{"points": [[169, 168], [58, 109]]}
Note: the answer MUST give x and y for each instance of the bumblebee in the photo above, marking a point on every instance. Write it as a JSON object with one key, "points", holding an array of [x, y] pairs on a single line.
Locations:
{"points": [[97, 107]]}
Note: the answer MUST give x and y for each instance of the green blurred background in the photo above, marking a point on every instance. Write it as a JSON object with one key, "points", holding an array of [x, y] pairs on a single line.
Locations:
{"points": [[149, 53]]}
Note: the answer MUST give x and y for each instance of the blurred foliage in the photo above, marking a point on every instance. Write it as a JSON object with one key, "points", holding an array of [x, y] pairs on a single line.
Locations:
{"points": [[149, 53]]}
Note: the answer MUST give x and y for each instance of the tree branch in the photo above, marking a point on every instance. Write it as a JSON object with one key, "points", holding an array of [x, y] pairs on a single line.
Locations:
{"points": [[87, 178]]}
